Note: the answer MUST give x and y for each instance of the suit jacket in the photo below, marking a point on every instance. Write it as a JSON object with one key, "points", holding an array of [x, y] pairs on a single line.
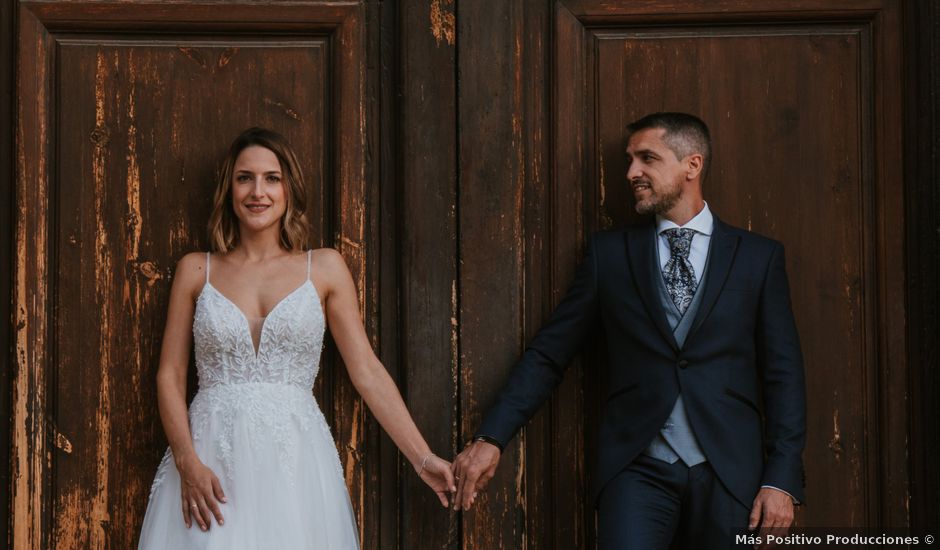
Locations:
{"points": [[740, 370]]}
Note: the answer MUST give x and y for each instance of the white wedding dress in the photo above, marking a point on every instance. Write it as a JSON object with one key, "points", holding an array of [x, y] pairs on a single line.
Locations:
{"points": [[255, 423]]}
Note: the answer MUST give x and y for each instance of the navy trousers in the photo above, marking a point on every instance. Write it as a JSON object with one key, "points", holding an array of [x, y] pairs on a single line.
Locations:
{"points": [[652, 504]]}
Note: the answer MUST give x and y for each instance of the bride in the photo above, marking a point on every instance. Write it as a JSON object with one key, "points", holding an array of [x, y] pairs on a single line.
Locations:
{"points": [[252, 462]]}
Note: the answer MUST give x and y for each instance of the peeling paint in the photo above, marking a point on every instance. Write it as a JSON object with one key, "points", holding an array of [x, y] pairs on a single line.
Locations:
{"points": [[194, 55], [151, 272], [350, 243], [352, 453], [103, 284], [61, 442], [835, 444], [29, 454], [287, 110], [226, 56], [443, 23]]}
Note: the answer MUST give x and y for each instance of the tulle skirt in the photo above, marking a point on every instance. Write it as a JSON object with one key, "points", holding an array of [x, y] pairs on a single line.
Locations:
{"points": [[276, 460]]}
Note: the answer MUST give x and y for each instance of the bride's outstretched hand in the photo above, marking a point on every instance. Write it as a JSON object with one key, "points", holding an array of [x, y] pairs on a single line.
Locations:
{"points": [[436, 472]]}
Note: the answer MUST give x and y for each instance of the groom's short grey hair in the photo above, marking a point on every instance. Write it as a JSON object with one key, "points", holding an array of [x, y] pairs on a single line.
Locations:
{"points": [[685, 134]]}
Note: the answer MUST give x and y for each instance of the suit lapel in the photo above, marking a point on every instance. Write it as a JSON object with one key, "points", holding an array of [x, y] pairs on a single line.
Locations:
{"points": [[643, 263], [720, 256]]}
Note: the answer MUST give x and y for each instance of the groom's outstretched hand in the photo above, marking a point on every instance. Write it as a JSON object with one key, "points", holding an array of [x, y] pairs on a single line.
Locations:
{"points": [[473, 469]]}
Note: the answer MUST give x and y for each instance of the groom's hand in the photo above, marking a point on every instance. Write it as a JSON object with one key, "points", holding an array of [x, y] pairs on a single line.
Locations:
{"points": [[473, 469], [772, 511]]}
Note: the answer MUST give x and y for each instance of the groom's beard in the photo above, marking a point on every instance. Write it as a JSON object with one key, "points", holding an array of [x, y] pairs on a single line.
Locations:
{"points": [[659, 202]]}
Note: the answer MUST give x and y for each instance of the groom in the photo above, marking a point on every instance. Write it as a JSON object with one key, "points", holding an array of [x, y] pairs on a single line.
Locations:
{"points": [[704, 423]]}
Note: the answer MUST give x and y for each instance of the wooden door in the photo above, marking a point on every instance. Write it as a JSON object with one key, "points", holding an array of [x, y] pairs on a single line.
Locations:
{"points": [[124, 113], [458, 154], [804, 107], [803, 100]]}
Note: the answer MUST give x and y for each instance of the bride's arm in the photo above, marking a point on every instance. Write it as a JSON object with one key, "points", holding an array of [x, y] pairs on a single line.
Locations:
{"points": [[369, 376], [199, 485]]}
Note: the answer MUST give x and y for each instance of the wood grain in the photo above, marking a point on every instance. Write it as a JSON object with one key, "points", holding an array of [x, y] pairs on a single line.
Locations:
{"points": [[787, 149], [30, 505], [427, 221], [491, 249], [459, 154], [922, 202], [8, 24]]}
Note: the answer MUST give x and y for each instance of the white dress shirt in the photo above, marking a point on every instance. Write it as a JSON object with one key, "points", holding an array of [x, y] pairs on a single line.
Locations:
{"points": [[702, 223]]}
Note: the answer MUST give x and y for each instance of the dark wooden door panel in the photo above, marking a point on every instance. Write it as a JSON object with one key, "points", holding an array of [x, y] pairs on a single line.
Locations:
{"points": [[121, 135], [799, 156], [458, 156], [788, 164], [141, 127]]}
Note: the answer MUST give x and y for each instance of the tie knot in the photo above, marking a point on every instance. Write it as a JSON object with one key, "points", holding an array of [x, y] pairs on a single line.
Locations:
{"points": [[680, 241]]}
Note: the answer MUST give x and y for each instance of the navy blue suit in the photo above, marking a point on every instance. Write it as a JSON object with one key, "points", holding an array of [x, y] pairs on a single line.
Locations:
{"points": [[740, 370]]}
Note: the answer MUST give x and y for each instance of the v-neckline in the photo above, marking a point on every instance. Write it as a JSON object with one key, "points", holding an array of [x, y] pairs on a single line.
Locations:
{"points": [[264, 322]]}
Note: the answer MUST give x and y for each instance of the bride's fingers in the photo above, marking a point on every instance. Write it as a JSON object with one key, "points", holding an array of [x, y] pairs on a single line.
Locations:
{"points": [[187, 519], [449, 479], [217, 489], [194, 513], [201, 511], [213, 506], [446, 476]]}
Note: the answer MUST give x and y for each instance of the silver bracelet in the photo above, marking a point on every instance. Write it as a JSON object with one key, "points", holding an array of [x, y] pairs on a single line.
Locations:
{"points": [[424, 463]]}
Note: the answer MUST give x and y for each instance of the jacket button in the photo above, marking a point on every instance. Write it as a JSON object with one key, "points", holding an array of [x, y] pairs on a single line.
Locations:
{"points": [[683, 363]]}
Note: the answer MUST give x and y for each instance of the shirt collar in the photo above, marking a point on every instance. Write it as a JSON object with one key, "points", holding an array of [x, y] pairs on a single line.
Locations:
{"points": [[703, 222]]}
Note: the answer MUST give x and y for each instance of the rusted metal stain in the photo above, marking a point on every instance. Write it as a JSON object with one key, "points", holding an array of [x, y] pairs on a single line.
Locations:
{"points": [[443, 23]]}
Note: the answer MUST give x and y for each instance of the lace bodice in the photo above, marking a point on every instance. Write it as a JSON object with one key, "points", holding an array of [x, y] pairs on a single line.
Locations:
{"points": [[255, 423], [288, 348], [268, 391]]}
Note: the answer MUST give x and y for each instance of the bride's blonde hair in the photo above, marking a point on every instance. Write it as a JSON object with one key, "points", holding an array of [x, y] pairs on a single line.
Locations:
{"points": [[223, 224]]}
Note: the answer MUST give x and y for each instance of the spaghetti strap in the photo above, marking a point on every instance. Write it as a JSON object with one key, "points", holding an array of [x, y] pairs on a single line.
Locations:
{"points": [[207, 266], [308, 264]]}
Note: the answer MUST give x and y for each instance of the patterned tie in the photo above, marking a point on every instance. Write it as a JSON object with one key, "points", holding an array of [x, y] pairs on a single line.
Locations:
{"points": [[679, 274]]}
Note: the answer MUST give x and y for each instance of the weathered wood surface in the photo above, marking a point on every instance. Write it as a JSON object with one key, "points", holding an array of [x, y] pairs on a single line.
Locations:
{"points": [[757, 182], [7, 26], [30, 442], [141, 124], [427, 249], [800, 161], [458, 154], [922, 200]]}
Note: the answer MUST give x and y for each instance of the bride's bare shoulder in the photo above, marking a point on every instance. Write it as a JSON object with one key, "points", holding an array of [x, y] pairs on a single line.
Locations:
{"points": [[327, 257], [329, 263], [190, 272]]}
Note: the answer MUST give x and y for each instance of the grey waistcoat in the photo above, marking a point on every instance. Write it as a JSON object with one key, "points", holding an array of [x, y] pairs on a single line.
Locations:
{"points": [[676, 439]]}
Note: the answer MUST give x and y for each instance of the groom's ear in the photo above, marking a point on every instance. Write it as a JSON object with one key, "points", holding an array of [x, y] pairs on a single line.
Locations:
{"points": [[694, 164]]}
